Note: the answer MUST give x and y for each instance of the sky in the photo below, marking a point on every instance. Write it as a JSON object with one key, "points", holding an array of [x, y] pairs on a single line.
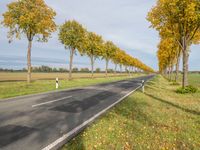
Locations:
{"points": [[121, 21]]}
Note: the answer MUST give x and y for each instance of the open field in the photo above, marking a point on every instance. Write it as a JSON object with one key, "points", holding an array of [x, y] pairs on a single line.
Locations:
{"points": [[194, 79], [18, 88], [22, 76], [158, 119]]}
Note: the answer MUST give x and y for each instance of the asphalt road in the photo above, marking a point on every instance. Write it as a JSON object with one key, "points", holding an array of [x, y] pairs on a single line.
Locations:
{"points": [[47, 121]]}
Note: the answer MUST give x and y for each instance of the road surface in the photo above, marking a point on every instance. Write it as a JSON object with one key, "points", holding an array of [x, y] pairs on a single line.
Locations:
{"points": [[47, 121]]}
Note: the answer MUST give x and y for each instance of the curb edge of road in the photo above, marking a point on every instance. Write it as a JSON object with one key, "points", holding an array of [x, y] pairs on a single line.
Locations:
{"points": [[66, 137]]}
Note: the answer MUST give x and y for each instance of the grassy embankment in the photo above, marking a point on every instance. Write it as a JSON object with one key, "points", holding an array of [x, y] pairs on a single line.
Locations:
{"points": [[18, 88], [158, 119]]}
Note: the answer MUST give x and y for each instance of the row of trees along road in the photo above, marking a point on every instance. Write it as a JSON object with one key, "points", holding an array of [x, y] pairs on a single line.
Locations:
{"points": [[76, 38], [178, 24], [34, 19]]}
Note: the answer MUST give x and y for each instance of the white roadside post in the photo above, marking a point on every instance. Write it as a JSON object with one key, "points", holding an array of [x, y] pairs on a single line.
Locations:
{"points": [[57, 84], [142, 86]]}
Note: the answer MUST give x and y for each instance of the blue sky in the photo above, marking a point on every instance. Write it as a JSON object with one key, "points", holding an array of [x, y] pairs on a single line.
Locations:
{"points": [[123, 22]]}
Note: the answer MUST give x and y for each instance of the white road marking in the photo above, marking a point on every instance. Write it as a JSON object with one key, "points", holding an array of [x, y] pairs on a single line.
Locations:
{"points": [[76, 129], [125, 82], [51, 101], [97, 88]]}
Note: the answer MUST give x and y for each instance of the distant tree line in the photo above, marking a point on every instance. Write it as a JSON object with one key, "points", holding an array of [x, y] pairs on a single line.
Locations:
{"points": [[48, 69]]}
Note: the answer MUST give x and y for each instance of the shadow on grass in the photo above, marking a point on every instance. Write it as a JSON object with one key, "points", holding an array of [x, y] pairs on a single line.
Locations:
{"points": [[75, 144], [132, 109], [174, 105], [129, 109], [76, 141]]}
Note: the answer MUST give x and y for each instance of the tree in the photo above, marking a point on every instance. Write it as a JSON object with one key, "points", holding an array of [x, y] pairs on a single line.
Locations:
{"points": [[181, 18], [121, 55], [72, 36], [93, 48], [85, 70], [108, 53], [98, 70], [110, 70], [116, 58], [75, 69], [33, 18], [167, 55]]}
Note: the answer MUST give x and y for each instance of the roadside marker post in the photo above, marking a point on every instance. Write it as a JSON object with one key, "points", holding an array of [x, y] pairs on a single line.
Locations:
{"points": [[57, 84], [142, 86]]}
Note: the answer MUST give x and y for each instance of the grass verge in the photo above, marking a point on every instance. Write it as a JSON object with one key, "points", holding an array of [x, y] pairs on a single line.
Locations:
{"points": [[158, 119], [18, 88]]}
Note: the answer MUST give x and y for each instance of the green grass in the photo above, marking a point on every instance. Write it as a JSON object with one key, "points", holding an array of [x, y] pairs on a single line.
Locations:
{"points": [[159, 119], [194, 79], [18, 88]]}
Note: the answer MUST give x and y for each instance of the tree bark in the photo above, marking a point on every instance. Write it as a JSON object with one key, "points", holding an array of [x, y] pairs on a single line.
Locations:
{"points": [[165, 72], [168, 73], [29, 61], [107, 61], [171, 72], [129, 71], [177, 68], [92, 65], [185, 64], [115, 69], [70, 63], [120, 68]]}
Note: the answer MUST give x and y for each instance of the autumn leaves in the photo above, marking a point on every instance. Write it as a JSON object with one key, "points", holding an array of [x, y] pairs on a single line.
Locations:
{"points": [[76, 38], [32, 18], [178, 24]]}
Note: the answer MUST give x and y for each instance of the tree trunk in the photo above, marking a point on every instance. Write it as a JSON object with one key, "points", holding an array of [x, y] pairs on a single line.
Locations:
{"points": [[126, 69], [29, 61], [171, 72], [177, 68], [168, 73], [185, 64], [92, 65], [107, 61], [165, 72], [120, 68], [70, 63], [115, 69], [129, 71], [136, 70]]}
